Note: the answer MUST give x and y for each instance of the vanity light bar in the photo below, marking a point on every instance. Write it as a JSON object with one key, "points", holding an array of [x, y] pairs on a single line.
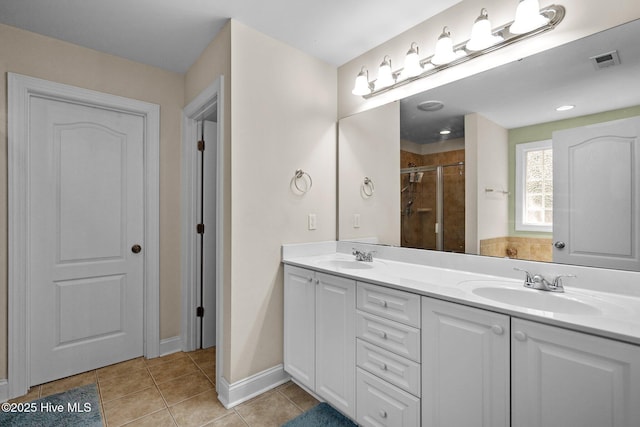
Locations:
{"points": [[554, 13]]}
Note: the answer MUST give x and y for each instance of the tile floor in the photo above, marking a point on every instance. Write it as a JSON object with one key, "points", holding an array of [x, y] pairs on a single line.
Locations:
{"points": [[177, 390]]}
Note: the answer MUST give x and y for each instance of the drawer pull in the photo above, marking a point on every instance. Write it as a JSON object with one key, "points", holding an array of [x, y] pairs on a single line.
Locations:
{"points": [[497, 329], [310, 279], [383, 366], [317, 281], [376, 331], [383, 303], [383, 413]]}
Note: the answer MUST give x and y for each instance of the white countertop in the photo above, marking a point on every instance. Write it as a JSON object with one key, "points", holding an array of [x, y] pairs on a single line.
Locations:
{"points": [[607, 314]]}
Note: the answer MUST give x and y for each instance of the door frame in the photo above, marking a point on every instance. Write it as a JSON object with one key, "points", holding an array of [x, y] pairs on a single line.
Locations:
{"points": [[211, 95], [20, 89]]}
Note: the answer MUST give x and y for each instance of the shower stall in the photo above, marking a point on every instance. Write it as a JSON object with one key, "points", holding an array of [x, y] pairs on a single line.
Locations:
{"points": [[432, 203]]}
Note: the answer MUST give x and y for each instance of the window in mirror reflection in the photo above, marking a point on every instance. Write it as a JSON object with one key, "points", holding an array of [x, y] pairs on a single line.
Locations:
{"points": [[534, 186]]}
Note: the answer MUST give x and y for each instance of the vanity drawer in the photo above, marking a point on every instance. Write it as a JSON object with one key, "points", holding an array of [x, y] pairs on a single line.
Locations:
{"points": [[389, 303], [395, 369], [381, 404], [395, 337]]}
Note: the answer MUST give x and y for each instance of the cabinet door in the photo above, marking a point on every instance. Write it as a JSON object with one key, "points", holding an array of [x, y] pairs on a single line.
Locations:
{"points": [[570, 379], [335, 342], [299, 324], [465, 366]]}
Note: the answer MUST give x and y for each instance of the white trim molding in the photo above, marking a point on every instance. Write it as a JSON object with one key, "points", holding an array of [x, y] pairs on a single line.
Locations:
{"points": [[210, 96], [4, 391], [170, 346], [234, 394], [20, 90]]}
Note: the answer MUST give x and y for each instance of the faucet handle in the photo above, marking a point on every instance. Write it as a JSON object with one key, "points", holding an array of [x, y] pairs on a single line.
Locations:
{"points": [[528, 278], [557, 281]]}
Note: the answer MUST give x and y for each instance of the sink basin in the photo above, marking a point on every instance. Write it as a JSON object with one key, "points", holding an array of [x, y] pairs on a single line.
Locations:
{"points": [[536, 300], [343, 264]]}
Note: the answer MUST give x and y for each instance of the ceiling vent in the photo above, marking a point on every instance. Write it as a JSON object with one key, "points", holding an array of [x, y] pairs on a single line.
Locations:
{"points": [[605, 60]]}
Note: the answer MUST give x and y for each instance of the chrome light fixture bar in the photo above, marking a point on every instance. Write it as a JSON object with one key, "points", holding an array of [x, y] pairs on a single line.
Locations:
{"points": [[550, 17]]}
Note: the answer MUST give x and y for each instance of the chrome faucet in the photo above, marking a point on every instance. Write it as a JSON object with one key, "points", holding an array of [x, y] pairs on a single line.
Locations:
{"points": [[363, 256], [537, 281]]}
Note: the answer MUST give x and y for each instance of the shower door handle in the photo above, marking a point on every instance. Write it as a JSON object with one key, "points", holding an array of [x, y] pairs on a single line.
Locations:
{"points": [[559, 244]]}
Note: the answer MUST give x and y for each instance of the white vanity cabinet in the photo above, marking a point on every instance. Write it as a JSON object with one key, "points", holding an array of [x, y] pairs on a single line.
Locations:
{"points": [[319, 335], [571, 379], [481, 368], [465, 366]]}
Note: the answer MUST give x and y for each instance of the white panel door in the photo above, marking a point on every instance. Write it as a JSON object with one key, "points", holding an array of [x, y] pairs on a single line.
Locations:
{"points": [[85, 215], [570, 379], [596, 195], [209, 172], [465, 366], [300, 325], [336, 342]]}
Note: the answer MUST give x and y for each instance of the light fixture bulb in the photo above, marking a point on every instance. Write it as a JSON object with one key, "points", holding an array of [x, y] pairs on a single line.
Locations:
{"points": [[361, 86], [528, 17], [445, 132], [481, 35], [412, 66], [385, 75], [565, 107], [444, 49]]}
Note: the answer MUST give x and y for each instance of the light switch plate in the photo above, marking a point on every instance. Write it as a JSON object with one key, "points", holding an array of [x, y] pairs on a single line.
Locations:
{"points": [[312, 221], [356, 220]]}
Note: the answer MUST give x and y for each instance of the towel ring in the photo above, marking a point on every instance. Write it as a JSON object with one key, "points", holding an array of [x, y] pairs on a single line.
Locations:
{"points": [[368, 187], [300, 176]]}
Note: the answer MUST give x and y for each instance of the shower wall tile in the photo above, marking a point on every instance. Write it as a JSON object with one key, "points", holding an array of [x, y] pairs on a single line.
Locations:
{"points": [[525, 248]]}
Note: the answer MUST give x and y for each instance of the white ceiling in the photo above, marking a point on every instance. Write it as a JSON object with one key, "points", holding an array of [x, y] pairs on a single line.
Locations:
{"points": [[171, 34], [528, 91]]}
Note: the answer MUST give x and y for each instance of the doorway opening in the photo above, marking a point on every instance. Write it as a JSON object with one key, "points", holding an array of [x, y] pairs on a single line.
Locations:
{"points": [[202, 223]]}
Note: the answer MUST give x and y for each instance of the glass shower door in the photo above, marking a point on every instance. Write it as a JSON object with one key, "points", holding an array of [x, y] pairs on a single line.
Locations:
{"points": [[432, 207]]}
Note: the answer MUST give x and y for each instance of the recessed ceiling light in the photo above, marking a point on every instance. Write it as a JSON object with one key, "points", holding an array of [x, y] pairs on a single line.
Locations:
{"points": [[565, 107], [430, 106], [445, 132]]}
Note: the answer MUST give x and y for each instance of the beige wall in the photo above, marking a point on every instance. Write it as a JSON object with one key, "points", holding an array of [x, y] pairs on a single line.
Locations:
{"points": [[584, 17], [283, 117], [43, 57], [487, 146], [369, 145]]}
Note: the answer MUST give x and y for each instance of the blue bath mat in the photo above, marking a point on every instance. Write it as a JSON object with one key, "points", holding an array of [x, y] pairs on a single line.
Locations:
{"points": [[78, 407], [321, 415]]}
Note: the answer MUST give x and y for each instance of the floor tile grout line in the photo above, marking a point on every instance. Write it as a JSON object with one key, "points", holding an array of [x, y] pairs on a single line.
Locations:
{"points": [[287, 397], [241, 417]]}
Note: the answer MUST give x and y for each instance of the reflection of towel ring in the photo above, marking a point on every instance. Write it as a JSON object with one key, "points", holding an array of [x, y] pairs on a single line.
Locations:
{"points": [[367, 187], [300, 176]]}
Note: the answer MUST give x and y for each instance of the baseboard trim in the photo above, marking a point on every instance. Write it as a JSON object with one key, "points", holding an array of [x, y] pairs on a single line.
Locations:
{"points": [[4, 391], [170, 345], [234, 394]]}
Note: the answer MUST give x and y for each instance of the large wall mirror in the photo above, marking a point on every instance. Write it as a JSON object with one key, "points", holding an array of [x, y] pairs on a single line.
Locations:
{"points": [[538, 159]]}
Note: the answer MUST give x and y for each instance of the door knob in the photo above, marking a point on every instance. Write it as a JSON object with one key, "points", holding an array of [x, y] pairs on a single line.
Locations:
{"points": [[136, 249], [520, 336], [497, 329], [559, 244]]}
